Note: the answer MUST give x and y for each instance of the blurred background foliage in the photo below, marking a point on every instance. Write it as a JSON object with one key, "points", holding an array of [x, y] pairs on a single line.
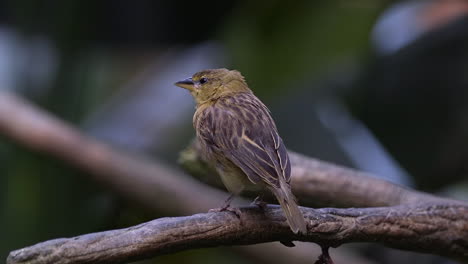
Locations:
{"points": [[376, 85]]}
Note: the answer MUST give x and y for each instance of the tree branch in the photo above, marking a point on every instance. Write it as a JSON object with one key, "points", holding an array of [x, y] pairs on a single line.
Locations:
{"points": [[153, 184], [317, 182], [425, 228], [149, 183]]}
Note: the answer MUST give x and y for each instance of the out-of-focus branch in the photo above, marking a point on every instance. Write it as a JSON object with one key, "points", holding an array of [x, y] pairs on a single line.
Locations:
{"points": [[317, 182], [150, 183], [155, 185], [440, 229]]}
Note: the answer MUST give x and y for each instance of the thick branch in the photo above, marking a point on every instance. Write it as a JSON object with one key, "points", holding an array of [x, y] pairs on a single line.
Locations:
{"points": [[440, 229], [156, 185], [150, 183]]}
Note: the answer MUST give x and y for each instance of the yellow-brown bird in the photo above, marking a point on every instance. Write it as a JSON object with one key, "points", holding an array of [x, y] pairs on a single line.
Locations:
{"points": [[239, 137]]}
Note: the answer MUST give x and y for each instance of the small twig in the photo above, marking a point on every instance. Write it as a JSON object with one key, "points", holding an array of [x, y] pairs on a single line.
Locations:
{"points": [[441, 229], [324, 258]]}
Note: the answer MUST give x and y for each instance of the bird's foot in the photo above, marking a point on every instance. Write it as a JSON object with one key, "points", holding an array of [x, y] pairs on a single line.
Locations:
{"points": [[260, 203], [227, 208]]}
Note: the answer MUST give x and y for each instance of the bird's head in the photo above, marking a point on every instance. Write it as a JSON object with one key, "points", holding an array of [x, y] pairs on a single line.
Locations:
{"points": [[208, 85]]}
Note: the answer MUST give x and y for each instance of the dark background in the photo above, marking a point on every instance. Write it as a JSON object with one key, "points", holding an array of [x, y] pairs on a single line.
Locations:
{"points": [[376, 85]]}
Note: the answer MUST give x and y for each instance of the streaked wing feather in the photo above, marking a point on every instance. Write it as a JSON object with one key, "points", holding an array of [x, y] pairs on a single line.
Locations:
{"points": [[252, 145], [285, 164], [251, 161]]}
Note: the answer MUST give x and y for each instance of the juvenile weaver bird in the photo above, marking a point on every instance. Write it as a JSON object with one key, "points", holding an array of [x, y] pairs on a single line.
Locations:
{"points": [[237, 134]]}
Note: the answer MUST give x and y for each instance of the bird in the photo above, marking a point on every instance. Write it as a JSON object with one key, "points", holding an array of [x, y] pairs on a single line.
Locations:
{"points": [[238, 136]]}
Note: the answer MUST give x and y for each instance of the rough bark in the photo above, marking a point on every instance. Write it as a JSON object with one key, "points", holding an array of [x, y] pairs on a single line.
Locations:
{"points": [[437, 229]]}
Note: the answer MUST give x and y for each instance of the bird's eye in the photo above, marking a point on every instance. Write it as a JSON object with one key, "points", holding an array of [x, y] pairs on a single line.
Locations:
{"points": [[203, 80]]}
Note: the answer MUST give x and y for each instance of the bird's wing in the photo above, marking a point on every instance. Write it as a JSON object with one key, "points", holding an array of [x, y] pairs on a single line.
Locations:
{"points": [[246, 134]]}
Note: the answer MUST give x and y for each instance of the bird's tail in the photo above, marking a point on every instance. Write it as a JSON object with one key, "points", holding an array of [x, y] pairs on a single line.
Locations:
{"points": [[290, 208]]}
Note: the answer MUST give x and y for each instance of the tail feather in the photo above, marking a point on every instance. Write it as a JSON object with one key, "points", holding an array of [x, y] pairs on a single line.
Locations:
{"points": [[290, 208]]}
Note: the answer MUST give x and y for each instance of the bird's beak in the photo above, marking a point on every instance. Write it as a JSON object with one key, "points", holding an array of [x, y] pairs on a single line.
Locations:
{"points": [[186, 84]]}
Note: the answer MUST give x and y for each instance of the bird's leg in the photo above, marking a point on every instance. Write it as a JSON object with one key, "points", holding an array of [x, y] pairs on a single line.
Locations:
{"points": [[227, 207], [259, 202], [227, 203]]}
